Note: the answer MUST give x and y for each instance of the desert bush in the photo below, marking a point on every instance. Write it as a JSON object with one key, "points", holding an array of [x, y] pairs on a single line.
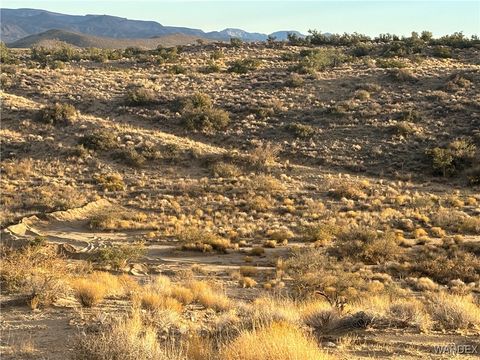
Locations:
{"points": [[140, 96], [443, 52], [350, 190], [236, 42], [301, 130], [391, 63], [198, 113], [322, 233], [35, 272], [211, 67], [217, 55], [453, 312], [5, 55], [110, 181], [116, 218], [118, 256], [315, 60], [264, 155], [457, 156], [314, 272], [58, 114], [49, 198], [226, 170], [200, 240], [277, 341], [295, 81], [130, 156], [367, 245], [126, 339], [362, 94], [402, 75], [444, 266], [457, 82], [243, 66], [405, 128], [100, 139]]}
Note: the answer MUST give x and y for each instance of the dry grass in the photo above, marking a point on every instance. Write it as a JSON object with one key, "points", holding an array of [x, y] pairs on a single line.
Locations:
{"points": [[208, 297], [36, 272], [126, 339], [157, 302], [277, 341], [454, 312], [89, 293]]}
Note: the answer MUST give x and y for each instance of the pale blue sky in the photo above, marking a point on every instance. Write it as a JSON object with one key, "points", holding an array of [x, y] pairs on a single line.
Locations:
{"points": [[368, 17]]}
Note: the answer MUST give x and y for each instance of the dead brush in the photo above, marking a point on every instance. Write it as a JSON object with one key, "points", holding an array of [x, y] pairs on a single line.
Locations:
{"points": [[264, 155]]}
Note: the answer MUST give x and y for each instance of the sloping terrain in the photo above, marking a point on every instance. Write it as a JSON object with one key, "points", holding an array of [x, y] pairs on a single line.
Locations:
{"points": [[52, 38], [221, 192]]}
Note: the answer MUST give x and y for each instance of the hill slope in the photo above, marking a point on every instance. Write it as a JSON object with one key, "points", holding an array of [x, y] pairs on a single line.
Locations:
{"points": [[52, 37]]}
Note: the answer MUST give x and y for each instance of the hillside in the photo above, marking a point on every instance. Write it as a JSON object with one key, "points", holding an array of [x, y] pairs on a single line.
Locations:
{"points": [[249, 201], [51, 37]]}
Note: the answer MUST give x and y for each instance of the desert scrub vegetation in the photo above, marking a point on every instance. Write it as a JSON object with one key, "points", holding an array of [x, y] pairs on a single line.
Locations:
{"points": [[100, 139], [110, 181], [34, 272], [199, 113], [455, 157], [139, 96], [243, 66], [128, 339], [454, 312], [300, 130], [311, 61], [118, 256], [58, 114], [367, 244], [200, 240], [277, 341]]}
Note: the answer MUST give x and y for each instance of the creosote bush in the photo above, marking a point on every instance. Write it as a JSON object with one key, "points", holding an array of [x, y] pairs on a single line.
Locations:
{"points": [[199, 113], [455, 157], [58, 114], [141, 96], [244, 66]]}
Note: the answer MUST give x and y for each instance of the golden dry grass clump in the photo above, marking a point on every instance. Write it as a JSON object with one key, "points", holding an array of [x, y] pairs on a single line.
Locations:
{"points": [[277, 341]]}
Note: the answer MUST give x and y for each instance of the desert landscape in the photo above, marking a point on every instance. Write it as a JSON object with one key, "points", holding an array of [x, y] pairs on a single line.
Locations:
{"points": [[314, 198]]}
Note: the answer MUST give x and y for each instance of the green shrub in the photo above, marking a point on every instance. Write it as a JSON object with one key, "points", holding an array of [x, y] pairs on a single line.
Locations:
{"points": [[301, 130], [118, 256], [236, 42], [443, 52], [367, 245], [391, 63], [217, 55], [99, 140], [457, 156], [294, 81], [177, 69], [58, 114], [198, 113], [5, 55], [319, 60], [244, 66], [211, 67]]}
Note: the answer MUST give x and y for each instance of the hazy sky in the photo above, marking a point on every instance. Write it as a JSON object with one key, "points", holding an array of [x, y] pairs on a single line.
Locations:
{"points": [[368, 17]]}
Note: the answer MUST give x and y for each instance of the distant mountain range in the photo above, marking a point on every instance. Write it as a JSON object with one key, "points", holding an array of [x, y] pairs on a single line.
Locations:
{"points": [[20, 23]]}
